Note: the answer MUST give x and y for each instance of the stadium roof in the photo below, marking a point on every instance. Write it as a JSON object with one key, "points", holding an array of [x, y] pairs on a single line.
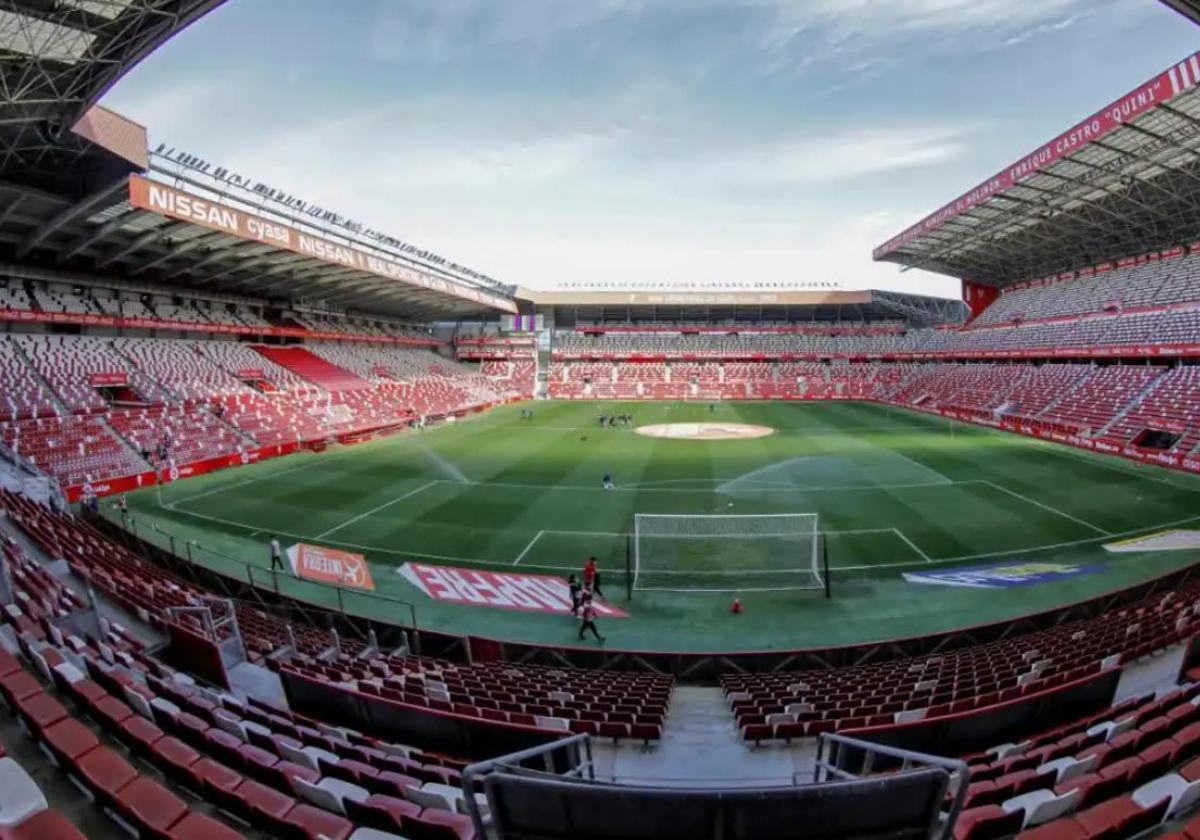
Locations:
{"points": [[75, 202], [1122, 182], [1188, 8], [150, 228], [58, 57], [571, 308]]}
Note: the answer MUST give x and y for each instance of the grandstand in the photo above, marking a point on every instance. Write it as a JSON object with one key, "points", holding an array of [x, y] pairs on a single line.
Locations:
{"points": [[985, 628]]}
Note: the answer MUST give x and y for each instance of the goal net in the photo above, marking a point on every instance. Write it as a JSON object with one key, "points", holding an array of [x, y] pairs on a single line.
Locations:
{"points": [[735, 553]]}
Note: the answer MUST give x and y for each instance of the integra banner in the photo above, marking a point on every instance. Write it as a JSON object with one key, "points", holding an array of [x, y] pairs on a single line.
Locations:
{"points": [[1001, 576], [328, 565], [501, 590]]}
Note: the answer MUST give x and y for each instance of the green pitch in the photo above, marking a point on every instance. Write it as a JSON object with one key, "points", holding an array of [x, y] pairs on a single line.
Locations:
{"points": [[894, 491]]}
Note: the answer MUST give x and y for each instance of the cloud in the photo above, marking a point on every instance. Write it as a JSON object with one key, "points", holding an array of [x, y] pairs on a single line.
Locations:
{"points": [[848, 155], [1044, 29], [434, 31], [804, 33], [834, 156]]}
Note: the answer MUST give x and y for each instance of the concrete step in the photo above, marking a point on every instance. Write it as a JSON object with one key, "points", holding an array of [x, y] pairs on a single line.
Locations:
{"points": [[701, 747]]}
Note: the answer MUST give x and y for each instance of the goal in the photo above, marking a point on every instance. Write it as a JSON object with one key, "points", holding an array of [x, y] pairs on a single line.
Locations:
{"points": [[727, 553]]}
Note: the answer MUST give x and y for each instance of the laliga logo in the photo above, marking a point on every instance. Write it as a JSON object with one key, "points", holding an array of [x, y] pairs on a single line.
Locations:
{"points": [[245, 458]]}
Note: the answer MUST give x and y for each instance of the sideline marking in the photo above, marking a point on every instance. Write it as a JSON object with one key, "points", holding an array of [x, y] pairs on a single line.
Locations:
{"points": [[1049, 508], [242, 483]]}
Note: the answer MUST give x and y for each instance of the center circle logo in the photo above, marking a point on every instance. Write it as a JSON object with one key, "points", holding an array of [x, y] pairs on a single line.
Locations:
{"points": [[705, 431]]}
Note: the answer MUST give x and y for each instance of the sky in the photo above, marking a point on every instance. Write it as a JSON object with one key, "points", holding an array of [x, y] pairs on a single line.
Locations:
{"points": [[651, 143]]}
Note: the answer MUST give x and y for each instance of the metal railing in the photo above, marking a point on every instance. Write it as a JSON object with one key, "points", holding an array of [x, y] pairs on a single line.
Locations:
{"points": [[840, 757], [344, 601], [566, 758]]}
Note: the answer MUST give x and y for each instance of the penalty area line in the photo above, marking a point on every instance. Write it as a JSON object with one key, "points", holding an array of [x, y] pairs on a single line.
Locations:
{"points": [[528, 546], [912, 545]]}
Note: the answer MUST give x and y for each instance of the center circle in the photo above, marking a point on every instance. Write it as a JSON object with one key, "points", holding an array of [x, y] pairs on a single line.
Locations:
{"points": [[705, 431]]}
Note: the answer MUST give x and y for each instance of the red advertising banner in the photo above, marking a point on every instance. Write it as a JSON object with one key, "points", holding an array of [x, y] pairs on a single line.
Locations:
{"points": [[1060, 433], [330, 565], [100, 380], [123, 484], [177, 204], [109, 486], [500, 590], [1166, 85], [251, 373]]}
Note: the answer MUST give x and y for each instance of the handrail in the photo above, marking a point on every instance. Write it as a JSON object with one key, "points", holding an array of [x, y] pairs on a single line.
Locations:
{"points": [[571, 746], [833, 744]]}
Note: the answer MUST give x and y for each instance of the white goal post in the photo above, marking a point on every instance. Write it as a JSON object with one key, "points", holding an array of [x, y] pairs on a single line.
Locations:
{"points": [[727, 553]]}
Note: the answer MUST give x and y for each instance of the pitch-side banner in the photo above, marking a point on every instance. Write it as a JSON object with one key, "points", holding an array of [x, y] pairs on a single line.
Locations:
{"points": [[177, 204], [1001, 575], [328, 565], [501, 590], [1168, 84]]}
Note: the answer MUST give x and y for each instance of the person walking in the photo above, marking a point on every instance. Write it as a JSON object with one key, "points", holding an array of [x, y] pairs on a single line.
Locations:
{"points": [[588, 618], [576, 589], [591, 577], [276, 554]]}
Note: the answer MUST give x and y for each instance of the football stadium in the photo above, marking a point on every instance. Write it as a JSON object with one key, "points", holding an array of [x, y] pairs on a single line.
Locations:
{"points": [[311, 532]]}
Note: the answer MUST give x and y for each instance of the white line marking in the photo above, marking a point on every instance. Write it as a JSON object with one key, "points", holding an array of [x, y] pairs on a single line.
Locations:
{"points": [[374, 510], [402, 552], [628, 533], [1011, 551], [1049, 508], [642, 488], [1111, 462], [912, 545], [841, 430], [1101, 460], [936, 561], [525, 550], [307, 463], [929, 470]]}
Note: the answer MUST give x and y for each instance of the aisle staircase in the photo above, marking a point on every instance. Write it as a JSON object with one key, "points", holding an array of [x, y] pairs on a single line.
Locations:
{"points": [[701, 747], [313, 368]]}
